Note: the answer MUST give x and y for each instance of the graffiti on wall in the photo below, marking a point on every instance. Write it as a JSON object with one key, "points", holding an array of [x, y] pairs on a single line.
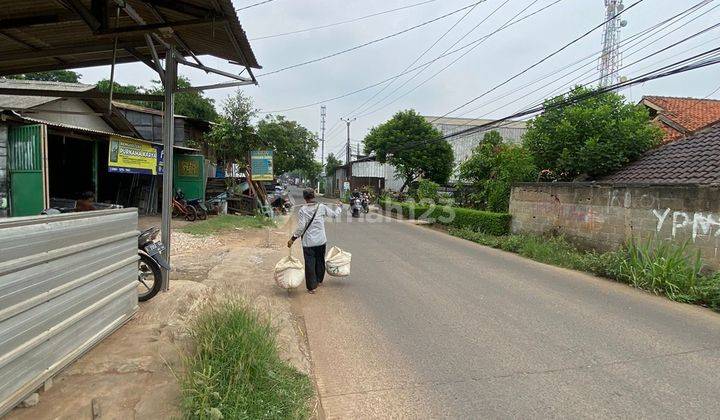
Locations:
{"points": [[702, 224]]}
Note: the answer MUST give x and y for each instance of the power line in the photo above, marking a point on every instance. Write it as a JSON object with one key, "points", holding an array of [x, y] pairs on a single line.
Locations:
{"points": [[547, 57], [419, 56], [253, 5], [416, 68], [653, 30], [335, 54], [503, 26], [342, 22], [707, 58]]}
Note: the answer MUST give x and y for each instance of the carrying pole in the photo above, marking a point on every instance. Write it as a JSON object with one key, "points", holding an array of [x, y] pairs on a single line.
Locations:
{"points": [[168, 137]]}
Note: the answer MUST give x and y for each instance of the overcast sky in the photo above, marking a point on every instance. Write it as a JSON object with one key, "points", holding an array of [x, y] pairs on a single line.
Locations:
{"points": [[499, 57]]}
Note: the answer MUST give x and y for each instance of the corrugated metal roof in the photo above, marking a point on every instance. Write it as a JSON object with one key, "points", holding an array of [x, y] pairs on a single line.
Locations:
{"points": [[27, 102], [42, 35], [85, 130], [471, 122]]}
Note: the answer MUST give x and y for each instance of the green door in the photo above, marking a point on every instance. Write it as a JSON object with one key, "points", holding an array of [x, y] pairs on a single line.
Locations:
{"points": [[26, 167], [189, 176]]}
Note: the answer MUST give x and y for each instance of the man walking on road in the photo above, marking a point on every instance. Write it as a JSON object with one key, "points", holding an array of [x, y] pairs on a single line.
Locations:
{"points": [[311, 228]]}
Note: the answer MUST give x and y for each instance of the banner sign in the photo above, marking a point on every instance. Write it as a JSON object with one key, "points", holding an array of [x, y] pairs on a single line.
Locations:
{"points": [[261, 165], [132, 157]]}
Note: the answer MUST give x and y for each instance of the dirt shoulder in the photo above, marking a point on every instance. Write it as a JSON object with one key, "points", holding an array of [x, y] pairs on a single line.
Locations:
{"points": [[132, 373]]}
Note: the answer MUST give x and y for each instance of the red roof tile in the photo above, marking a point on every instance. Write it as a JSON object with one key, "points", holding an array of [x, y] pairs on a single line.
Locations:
{"points": [[689, 113], [691, 160]]}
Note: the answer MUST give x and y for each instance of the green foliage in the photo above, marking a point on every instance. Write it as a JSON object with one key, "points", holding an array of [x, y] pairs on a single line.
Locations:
{"points": [[233, 137], [66, 76], [491, 170], [662, 268], [455, 217], [225, 222], [594, 136], [235, 370], [428, 190], [311, 171], [430, 157], [331, 164], [294, 145], [189, 104]]}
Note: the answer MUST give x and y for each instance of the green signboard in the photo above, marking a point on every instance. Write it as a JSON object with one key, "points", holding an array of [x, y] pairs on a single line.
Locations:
{"points": [[261, 165]]}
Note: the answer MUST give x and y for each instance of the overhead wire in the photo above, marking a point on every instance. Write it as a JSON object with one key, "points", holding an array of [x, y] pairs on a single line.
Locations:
{"points": [[655, 28], [313, 28], [414, 69], [506, 24], [253, 5], [374, 41], [422, 54], [542, 60]]}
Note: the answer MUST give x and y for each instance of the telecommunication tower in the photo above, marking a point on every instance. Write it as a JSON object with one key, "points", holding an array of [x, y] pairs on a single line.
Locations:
{"points": [[610, 58]]}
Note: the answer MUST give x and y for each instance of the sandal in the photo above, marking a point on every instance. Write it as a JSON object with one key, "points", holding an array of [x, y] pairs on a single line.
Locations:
{"points": [[312, 292]]}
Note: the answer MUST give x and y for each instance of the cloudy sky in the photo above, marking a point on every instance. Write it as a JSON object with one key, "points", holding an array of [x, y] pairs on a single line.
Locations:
{"points": [[489, 63]]}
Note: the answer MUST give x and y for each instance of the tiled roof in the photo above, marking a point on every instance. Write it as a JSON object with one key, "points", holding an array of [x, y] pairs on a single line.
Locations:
{"points": [[691, 160], [689, 113]]}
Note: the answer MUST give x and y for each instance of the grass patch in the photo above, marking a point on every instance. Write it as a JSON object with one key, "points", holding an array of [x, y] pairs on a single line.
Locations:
{"points": [[225, 222], [235, 371], [662, 268]]}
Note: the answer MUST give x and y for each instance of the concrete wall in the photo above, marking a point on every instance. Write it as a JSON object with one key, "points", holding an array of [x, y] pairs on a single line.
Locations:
{"points": [[3, 170], [604, 216]]}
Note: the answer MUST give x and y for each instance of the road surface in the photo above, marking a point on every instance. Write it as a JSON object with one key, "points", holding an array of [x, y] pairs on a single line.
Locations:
{"points": [[432, 326]]}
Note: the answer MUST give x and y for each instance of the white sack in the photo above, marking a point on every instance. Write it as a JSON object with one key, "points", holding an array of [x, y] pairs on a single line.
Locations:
{"points": [[337, 262], [289, 273]]}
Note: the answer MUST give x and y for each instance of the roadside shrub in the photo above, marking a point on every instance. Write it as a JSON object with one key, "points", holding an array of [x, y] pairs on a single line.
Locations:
{"points": [[476, 220], [662, 268], [427, 190], [235, 370]]}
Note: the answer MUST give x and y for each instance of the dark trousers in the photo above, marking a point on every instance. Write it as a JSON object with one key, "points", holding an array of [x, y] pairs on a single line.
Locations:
{"points": [[314, 265]]}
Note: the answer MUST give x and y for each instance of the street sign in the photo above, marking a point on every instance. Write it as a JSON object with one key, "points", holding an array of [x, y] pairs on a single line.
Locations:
{"points": [[261, 165]]}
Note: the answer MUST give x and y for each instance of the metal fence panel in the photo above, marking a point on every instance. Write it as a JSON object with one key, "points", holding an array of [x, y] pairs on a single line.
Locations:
{"points": [[66, 282]]}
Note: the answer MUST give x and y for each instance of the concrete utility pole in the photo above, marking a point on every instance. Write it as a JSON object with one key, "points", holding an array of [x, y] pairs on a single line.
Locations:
{"points": [[322, 135], [347, 145], [168, 132], [357, 148], [610, 60]]}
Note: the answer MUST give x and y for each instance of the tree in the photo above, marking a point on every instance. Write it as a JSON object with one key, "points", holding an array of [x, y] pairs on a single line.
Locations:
{"points": [[492, 169], [66, 76], [594, 136], [293, 145], [233, 137], [312, 171], [331, 164], [413, 146]]}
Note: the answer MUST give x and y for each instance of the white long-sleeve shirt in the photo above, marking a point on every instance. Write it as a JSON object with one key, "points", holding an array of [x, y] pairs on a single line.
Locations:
{"points": [[315, 234]]}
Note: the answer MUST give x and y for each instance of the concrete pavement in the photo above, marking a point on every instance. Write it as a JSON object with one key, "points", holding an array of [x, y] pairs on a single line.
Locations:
{"points": [[433, 326]]}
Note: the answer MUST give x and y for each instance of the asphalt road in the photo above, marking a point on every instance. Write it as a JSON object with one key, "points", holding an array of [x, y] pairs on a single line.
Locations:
{"points": [[431, 326]]}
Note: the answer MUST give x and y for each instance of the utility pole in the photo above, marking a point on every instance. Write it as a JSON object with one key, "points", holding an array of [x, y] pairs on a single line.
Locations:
{"points": [[610, 59], [357, 148], [347, 145], [322, 135]]}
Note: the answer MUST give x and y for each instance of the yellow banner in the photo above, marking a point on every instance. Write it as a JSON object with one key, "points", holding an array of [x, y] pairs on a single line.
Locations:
{"points": [[132, 157]]}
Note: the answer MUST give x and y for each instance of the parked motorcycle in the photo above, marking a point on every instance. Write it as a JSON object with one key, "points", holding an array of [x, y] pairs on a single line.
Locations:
{"points": [[200, 208], [149, 264]]}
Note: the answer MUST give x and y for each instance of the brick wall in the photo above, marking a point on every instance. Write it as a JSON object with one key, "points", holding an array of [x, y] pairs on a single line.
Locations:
{"points": [[604, 216], [3, 170]]}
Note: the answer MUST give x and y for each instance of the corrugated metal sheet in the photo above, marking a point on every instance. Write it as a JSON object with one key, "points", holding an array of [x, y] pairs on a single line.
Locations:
{"points": [[66, 282], [27, 102], [369, 169]]}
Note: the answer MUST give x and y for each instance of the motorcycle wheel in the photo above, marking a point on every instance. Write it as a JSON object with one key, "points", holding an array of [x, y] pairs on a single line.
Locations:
{"points": [[149, 278], [191, 214], [201, 213], [175, 212]]}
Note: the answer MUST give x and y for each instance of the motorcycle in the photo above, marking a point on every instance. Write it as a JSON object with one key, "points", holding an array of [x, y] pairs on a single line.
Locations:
{"points": [[200, 208], [281, 203], [149, 264], [355, 206]]}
